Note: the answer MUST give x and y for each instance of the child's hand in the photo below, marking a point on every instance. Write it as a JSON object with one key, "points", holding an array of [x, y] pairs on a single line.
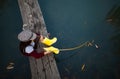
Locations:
{"points": [[41, 38], [47, 52], [32, 43]]}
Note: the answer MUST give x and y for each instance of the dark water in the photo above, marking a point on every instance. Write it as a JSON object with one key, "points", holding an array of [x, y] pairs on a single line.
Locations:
{"points": [[72, 22]]}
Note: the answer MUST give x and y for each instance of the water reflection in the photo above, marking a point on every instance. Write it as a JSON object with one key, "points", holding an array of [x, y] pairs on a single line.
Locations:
{"points": [[113, 18]]}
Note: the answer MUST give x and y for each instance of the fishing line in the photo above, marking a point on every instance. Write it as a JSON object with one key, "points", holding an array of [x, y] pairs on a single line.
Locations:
{"points": [[88, 43], [76, 47]]}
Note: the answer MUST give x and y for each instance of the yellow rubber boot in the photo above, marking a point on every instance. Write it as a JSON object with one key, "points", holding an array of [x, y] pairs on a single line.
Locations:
{"points": [[52, 49], [48, 41]]}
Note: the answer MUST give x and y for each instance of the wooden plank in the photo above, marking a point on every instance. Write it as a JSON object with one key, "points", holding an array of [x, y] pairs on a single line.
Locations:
{"points": [[45, 67]]}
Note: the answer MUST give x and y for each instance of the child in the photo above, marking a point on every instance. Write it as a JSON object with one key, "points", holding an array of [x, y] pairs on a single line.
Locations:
{"points": [[29, 42]]}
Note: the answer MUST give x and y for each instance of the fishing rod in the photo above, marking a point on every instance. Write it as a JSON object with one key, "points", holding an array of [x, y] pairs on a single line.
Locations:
{"points": [[88, 43], [56, 50], [77, 47]]}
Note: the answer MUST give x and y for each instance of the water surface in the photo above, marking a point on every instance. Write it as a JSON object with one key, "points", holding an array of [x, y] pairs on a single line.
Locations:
{"points": [[72, 22]]}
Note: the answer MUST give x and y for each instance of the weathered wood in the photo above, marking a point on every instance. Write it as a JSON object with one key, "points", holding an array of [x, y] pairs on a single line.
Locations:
{"points": [[45, 67]]}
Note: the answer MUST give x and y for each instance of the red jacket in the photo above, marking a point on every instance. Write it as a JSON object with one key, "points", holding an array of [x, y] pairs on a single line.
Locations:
{"points": [[34, 54]]}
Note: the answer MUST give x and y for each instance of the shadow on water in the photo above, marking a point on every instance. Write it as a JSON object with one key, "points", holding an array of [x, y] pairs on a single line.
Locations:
{"points": [[113, 17]]}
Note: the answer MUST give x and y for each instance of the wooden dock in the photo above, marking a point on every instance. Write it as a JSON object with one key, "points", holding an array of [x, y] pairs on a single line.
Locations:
{"points": [[45, 67]]}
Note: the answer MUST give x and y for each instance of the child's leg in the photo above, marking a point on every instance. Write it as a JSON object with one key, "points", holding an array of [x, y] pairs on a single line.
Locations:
{"points": [[52, 49], [48, 41]]}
